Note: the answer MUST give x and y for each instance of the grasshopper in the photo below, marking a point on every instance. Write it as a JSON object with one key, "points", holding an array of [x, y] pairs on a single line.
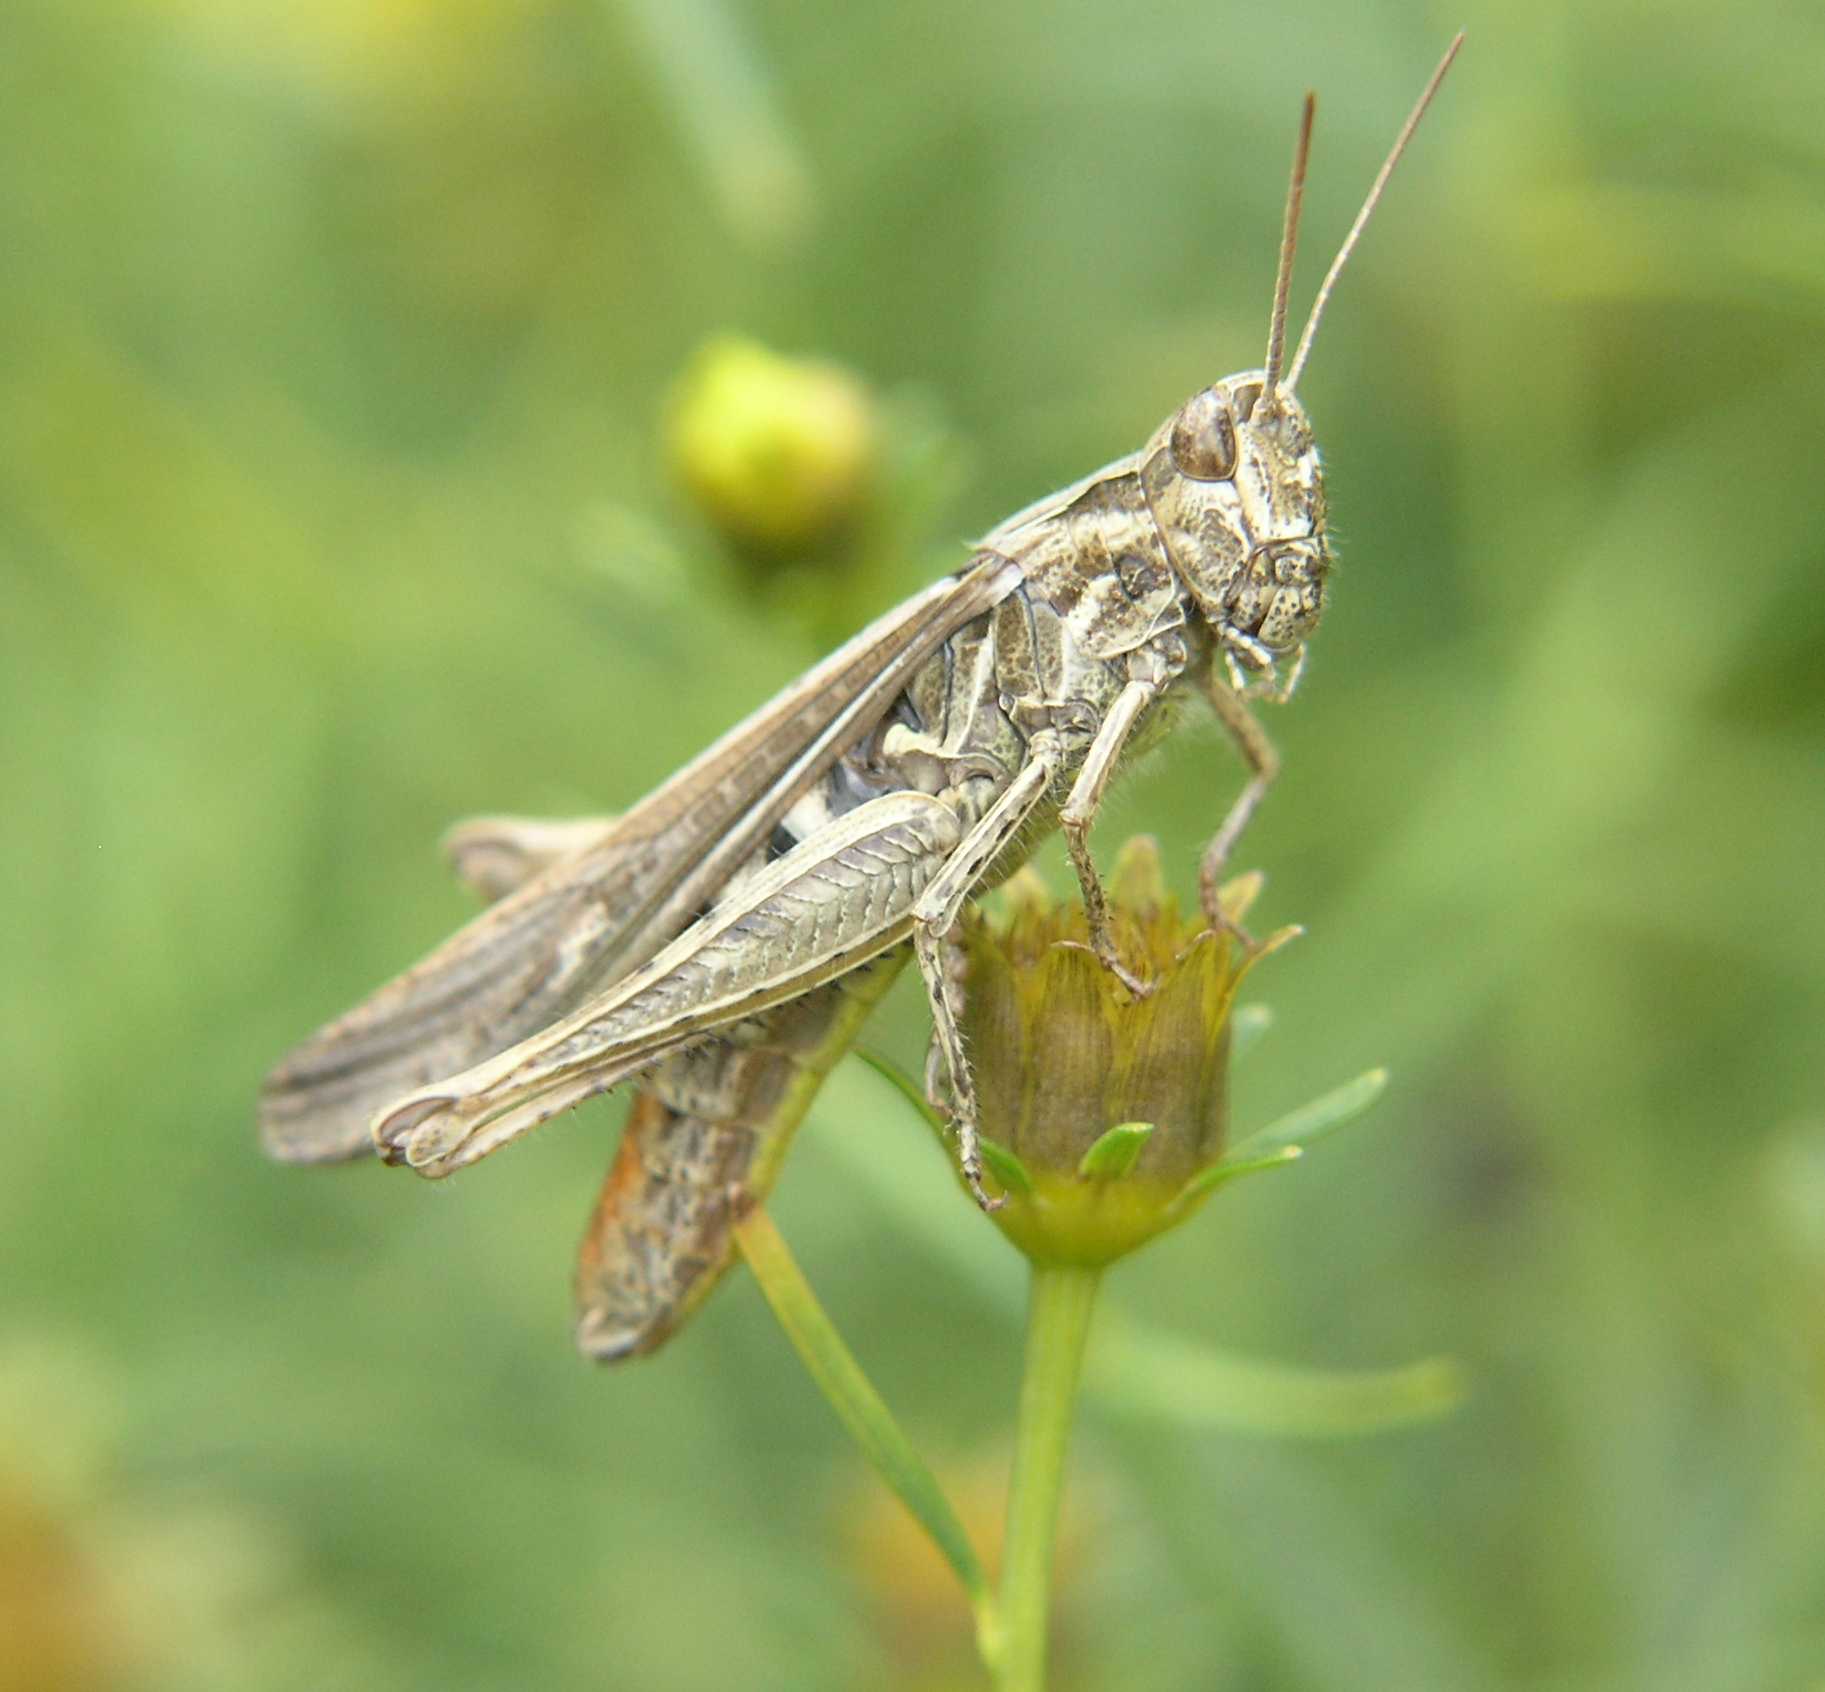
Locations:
{"points": [[719, 944]]}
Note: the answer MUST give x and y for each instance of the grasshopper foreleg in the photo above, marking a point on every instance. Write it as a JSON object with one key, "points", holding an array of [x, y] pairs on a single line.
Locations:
{"points": [[1264, 764], [1080, 812], [935, 916], [1271, 689]]}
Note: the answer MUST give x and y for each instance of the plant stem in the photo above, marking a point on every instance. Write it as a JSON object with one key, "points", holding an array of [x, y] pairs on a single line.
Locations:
{"points": [[858, 1406], [1059, 1308]]}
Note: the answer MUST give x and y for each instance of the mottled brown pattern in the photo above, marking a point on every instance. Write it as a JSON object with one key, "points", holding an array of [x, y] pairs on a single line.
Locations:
{"points": [[706, 1135], [858, 810]]}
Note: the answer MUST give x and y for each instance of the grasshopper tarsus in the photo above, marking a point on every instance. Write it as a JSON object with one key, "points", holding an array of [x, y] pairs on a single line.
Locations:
{"points": [[1135, 986], [971, 1163], [1101, 943], [1221, 922], [959, 1115]]}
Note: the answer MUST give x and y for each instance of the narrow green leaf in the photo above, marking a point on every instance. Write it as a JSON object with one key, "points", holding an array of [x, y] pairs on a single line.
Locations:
{"points": [[1146, 1372], [1311, 1122], [1115, 1152], [858, 1406], [1220, 1174]]}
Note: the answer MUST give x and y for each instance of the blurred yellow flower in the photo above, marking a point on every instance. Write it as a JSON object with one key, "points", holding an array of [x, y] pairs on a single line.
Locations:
{"points": [[779, 453]]}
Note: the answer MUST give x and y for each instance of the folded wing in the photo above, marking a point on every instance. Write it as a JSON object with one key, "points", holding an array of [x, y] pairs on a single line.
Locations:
{"points": [[613, 900]]}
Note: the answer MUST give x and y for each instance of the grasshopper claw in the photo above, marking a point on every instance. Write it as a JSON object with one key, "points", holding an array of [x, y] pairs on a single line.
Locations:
{"points": [[959, 1118], [972, 1174], [1131, 983], [1134, 985], [1221, 922]]}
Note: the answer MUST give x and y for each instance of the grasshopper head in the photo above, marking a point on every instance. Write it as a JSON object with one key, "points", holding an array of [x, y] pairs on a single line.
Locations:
{"points": [[1234, 478], [1239, 494]]}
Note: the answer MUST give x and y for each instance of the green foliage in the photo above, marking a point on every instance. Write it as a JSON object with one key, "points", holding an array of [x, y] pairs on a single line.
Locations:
{"points": [[335, 343]]}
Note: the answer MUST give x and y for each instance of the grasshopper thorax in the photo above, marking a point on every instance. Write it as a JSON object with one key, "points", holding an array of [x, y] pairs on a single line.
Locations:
{"points": [[1238, 493]]}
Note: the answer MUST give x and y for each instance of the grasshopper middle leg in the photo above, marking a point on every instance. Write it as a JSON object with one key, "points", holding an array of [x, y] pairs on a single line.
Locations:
{"points": [[1080, 811], [1264, 765]]}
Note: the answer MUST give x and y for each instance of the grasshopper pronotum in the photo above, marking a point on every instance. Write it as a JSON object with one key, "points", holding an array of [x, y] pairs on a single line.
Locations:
{"points": [[719, 943]]}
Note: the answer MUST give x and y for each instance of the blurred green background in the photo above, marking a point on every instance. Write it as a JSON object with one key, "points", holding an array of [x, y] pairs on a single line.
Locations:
{"points": [[334, 339]]}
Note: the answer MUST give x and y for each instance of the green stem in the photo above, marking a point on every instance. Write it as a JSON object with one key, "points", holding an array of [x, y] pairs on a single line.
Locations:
{"points": [[1060, 1305], [858, 1406]]}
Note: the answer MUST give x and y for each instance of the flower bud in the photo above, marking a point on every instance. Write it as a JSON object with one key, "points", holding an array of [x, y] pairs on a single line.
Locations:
{"points": [[779, 453], [1102, 1114]]}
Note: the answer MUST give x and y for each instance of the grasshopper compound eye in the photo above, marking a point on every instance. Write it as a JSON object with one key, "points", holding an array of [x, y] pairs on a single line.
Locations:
{"points": [[1203, 442]]}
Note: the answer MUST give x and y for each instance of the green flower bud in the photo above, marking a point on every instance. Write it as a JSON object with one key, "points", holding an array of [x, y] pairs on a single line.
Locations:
{"points": [[779, 453], [1102, 1114]]}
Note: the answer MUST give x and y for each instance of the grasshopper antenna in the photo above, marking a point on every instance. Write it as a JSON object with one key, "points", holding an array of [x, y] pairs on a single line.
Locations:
{"points": [[1289, 244], [1356, 228]]}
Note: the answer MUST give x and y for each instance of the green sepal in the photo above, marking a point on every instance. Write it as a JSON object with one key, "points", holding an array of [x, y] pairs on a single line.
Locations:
{"points": [[1284, 1141], [1115, 1153], [1206, 1181], [1311, 1122], [1134, 1368], [1009, 1172]]}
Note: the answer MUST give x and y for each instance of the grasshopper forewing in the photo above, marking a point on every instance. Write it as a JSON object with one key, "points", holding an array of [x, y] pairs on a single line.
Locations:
{"points": [[741, 906], [606, 904]]}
